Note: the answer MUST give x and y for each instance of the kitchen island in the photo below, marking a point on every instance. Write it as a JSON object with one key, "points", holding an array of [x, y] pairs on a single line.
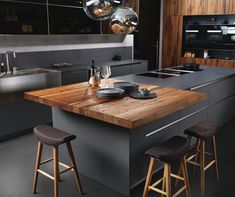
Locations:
{"points": [[113, 135]]}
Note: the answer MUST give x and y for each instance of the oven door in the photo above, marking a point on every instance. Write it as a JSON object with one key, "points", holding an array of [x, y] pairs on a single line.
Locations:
{"points": [[194, 36]]}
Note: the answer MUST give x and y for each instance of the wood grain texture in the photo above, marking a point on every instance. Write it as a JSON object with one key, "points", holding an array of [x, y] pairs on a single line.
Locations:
{"points": [[174, 10], [127, 112]]}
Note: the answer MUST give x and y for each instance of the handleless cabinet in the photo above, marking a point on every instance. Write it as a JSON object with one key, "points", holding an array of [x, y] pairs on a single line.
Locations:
{"points": [[23, 18]]}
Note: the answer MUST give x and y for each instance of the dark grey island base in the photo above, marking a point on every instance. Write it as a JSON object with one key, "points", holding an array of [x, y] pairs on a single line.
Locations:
{"points": [[114, 156]]}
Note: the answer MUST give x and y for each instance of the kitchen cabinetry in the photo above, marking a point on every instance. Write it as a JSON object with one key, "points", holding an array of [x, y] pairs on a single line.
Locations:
{"points": [[120, 70], [76, 3], [23, 18], [45, 17], [31, 1], [64, 20], [217, 107], [74, 77]]}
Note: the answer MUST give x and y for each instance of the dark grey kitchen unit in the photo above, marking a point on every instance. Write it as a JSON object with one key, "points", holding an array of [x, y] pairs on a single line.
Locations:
{"points": [[77, 74], [114, 156], [16, 114]]}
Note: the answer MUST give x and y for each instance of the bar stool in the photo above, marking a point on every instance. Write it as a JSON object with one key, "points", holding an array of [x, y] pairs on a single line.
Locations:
{"points": [[203, 131], [169, 152], [54, 137]]}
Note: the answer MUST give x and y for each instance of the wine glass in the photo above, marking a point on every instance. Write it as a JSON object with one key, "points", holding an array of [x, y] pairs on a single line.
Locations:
{"points": [[106, 73]]}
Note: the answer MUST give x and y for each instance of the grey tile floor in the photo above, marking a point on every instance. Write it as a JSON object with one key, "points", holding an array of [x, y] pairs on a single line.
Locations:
{"points": [[17, 158]]}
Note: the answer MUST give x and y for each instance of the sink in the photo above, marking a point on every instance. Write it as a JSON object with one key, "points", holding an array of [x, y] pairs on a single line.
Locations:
{"points": [[29, 79], [27, 72]]}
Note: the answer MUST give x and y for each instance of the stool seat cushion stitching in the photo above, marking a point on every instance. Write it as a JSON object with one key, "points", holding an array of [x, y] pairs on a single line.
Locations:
{"points": [[52, 136], [203, 129], [171, 150]]}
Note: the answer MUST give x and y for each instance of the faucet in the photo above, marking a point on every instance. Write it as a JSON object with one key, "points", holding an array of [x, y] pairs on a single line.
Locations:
{"points": [[8, 53]]}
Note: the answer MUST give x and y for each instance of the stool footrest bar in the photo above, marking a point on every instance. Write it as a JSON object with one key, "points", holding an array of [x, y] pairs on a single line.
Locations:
{"points": [[193, 163], [46, 161], [177, 177], [209, 165], [65, 170], [179, 191], [157, 190], [46, 174], [157, 182]]}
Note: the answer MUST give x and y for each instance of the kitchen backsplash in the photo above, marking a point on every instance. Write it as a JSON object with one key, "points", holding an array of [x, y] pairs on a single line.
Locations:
{"points": [[76, 57], [43, 51]]}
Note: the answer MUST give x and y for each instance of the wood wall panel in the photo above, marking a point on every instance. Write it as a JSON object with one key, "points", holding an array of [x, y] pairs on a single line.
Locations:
{"points": [[174, 10]]}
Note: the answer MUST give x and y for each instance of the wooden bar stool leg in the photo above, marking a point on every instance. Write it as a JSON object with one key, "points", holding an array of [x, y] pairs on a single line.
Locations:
{"points": [[56, 171], [185, 175], [202, 166], [180, 170], [37, 166], [168, 179], [75, 170], [164, 181], [149, 177], [215, 157], [197, 152]]}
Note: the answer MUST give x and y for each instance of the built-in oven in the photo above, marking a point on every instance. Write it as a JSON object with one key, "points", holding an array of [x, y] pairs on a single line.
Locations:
{"points": [[214, 36], [194, 36]]}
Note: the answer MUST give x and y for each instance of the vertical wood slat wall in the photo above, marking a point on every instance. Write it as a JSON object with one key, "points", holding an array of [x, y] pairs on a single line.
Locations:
{"points": [[174, 10]]}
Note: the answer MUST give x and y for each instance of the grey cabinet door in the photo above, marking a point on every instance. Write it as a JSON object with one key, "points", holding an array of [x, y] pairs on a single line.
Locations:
{"points": [[141, 142], [139, 68], [74, 77], [199, 106], [121, 70], [222, 90], [223, 111]]}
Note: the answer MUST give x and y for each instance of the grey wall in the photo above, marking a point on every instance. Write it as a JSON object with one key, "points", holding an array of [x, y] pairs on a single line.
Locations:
{"points": [[43, 51], [76, 57]]}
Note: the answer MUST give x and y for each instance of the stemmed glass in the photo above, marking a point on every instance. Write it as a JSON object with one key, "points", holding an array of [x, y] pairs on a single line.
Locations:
{"points": [[106, 73]]}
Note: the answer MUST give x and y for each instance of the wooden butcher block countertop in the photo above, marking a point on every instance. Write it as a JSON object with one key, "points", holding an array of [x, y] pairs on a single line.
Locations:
{"points": [[127, 112]]}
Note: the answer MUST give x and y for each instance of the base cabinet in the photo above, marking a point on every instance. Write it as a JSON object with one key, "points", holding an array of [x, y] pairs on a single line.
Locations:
{"points": [[81, 76]]}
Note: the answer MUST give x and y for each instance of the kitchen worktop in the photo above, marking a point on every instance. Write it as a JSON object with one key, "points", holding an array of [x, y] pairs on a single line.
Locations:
{"points": [[127, 112], [78, 67], [209, 74]]}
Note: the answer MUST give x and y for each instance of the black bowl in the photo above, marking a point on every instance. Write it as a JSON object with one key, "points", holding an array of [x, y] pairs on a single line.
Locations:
{"points": [[191, 67], [128, 87]]}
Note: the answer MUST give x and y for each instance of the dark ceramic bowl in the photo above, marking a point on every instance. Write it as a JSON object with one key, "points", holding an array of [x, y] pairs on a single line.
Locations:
{"points": [[128, 87], [191, 67]]}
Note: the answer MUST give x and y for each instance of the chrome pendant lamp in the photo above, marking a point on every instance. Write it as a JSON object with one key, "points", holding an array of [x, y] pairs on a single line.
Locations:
{"points": [[101, 9], [122, 20]]}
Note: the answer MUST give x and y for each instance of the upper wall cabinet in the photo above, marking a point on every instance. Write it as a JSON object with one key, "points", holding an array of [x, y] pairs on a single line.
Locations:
{"points": [[40, 17], [77, 3], [23, 18], [65, 20], [30, 1]]}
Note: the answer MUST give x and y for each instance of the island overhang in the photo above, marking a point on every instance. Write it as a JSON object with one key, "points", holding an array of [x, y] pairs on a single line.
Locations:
{"points": [[129, 113]]}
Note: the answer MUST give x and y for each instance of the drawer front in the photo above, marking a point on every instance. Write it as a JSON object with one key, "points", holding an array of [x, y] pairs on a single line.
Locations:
{"points": [[192, 120], [139, 68], [222, 112], [74, 77], [121, 70], [203, 104], [221, 90], [154, 128], [139, 161]]}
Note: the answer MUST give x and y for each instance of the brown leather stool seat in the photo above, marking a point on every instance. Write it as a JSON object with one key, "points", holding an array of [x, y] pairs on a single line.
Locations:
{"points": [[52, 136], [171, 150], [203, 129]]}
